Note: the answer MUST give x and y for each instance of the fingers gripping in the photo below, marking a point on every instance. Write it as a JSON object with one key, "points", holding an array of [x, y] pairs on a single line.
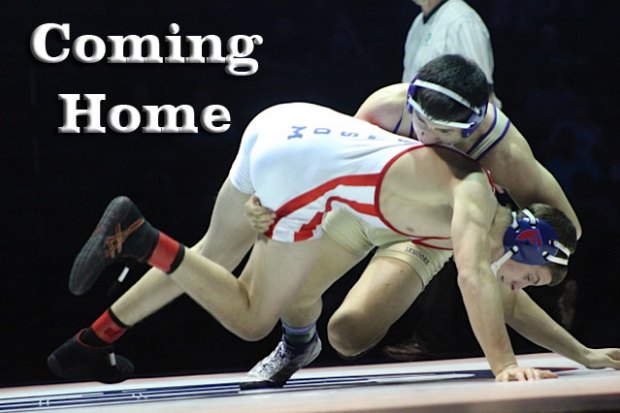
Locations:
{"points": [[259, 217]]}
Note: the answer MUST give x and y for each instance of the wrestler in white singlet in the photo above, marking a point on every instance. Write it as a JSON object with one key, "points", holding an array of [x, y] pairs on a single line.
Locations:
{"points": [[303, 160], [359, 238]]}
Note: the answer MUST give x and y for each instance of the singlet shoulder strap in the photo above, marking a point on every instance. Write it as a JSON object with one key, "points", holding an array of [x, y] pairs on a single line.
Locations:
{"points": [[400, 121], [397, 127], [491, 137]]}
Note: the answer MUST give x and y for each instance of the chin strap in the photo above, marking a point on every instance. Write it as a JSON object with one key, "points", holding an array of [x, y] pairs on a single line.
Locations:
{"points": [[502, 260]]}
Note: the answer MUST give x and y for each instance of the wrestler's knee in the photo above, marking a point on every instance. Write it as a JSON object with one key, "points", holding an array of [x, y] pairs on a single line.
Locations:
{"points": [[348, 333], [253, 329]]}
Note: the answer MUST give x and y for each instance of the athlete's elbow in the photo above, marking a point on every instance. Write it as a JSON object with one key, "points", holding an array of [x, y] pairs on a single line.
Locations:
{"points": [[469, 282]]}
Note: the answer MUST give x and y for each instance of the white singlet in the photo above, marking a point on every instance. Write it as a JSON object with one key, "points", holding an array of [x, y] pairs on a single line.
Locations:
{"points": [[302, 160]]}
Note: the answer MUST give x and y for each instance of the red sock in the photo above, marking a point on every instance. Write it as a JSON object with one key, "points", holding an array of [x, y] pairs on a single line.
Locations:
{"points": [[104, 331], [167, 255]]}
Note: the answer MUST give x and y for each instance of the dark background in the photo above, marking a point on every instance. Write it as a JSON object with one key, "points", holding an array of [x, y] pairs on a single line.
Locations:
{"points": [[556, 72]]}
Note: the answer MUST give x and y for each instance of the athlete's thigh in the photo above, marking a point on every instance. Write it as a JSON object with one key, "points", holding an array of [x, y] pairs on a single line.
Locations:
{"points": [[333, 262], [229, 236], [275, 272], [383, 293]]}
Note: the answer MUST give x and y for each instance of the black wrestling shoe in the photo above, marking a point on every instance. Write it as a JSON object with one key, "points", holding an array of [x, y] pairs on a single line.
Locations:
{"points": [[75, 360], [122, 233], [275, 369]]}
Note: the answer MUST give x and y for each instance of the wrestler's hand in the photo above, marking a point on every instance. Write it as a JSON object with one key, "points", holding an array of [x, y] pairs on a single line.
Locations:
{"points": [[259, 217], [599, 358], [516, 373]]}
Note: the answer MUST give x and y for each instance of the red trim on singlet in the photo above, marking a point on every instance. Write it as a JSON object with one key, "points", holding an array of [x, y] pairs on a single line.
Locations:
{"points": [[306, 198], [414, 238], [420, 240], [306, 231]]}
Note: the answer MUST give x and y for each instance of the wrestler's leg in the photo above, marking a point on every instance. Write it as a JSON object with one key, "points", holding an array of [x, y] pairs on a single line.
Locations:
{"points": [[86, 354], [380, 297], [395, 277], [334, 262], [300, 343], [226, 242], [89, 354], [249, 306]]}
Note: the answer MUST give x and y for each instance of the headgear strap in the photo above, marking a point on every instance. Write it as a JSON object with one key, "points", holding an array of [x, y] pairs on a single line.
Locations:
{"points": [[445, 91], [531, 241], [476, 118]]}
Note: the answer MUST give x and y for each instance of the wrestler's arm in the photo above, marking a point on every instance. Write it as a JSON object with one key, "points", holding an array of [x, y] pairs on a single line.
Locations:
{"points": [[532, 322], [474, 209], [515, 168], [384, 106]]}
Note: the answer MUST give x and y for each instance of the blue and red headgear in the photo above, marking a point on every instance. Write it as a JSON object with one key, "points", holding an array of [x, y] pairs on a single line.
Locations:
{"points": [[533, 241], [468, 127]]}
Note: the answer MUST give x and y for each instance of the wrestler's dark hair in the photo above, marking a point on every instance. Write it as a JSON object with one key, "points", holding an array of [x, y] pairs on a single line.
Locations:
{"points": [[564, 229], [458, 74]]}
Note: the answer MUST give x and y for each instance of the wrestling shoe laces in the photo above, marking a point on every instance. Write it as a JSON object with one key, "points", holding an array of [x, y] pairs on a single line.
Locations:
{"points": [[76, 360], [275, 369], [121, 234], [114, 243]]}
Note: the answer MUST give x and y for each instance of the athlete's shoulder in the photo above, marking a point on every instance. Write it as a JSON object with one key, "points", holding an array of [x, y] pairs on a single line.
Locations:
{"points": [[507, 149], [494, 130], [384, 106], [391, 92], [454, 159]]}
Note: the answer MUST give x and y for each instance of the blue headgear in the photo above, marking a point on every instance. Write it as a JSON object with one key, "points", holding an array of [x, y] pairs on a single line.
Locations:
{"points": [[468, 127], [533, 241]]}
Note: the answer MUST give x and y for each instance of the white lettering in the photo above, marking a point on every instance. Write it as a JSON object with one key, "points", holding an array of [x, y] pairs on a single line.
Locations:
{"points": [[215, 113], [79, 49], [71, 112], [89, 48], [133, 118], [170, 115], [38, 40], [135, 45], [213, 118]]}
